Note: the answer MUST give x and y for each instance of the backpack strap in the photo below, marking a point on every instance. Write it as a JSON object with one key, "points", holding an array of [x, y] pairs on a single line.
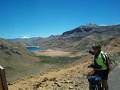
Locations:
{"points": [[104, 57]]}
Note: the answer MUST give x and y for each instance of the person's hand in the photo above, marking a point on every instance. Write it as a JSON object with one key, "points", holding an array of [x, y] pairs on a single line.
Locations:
{"points": [[91, 52]]}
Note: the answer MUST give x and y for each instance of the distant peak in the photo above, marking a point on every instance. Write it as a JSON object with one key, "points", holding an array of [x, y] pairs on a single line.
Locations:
{"points": [[90, 25]]}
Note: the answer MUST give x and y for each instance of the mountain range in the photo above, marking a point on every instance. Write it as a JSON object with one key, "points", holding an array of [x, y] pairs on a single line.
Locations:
{"points": [[77, 39]]}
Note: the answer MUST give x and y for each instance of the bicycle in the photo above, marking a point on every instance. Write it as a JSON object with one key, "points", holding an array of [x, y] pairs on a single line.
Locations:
{"points": [[94, 82]]}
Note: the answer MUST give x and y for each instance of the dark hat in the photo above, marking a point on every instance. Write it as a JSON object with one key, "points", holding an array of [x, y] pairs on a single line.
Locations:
{"points": [[96, 46]]}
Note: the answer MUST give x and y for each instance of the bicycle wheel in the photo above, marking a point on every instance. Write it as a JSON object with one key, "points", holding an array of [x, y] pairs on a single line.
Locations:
{"points": [[95, 86], [98, 86], [92, 87]]}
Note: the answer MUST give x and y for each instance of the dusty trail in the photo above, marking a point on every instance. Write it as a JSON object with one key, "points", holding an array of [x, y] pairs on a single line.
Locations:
{"points": [[114, 79]]}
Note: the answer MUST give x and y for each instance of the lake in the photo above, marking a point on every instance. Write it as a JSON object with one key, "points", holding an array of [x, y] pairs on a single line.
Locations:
{"points": [[33, 49]]}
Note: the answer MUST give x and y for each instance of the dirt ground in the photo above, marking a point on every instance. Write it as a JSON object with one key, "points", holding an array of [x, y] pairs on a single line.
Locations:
{"points": [[70, 78]]}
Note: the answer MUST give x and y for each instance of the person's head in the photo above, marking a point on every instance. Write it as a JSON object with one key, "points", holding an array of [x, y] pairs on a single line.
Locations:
{"points": [[95, 49]]}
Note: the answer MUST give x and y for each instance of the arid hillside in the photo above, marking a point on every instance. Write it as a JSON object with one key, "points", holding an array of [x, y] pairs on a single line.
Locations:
{"points": [[70, 77]]}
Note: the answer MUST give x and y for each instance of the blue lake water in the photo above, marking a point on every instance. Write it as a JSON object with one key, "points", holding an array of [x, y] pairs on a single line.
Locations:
{"points": [[33, 49]]}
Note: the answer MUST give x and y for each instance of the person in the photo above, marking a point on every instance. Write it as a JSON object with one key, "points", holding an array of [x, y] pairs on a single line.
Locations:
{"points": [[100, 65]]}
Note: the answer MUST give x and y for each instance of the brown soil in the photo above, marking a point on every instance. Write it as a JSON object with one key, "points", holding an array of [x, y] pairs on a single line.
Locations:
{"points": [[71, 78]]}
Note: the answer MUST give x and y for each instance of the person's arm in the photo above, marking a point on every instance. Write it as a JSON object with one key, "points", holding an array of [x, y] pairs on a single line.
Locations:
{"points": [[94, 66]]}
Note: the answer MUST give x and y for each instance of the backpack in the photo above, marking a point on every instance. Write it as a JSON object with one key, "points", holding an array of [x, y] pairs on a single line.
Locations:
{"points": [[108, 61]]}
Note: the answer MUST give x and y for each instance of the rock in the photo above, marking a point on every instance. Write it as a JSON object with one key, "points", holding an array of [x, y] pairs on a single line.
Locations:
{"points": [[76, 85], [8, 52], [20, 89], [52, 79], [10, 84], [35, 87], [26, 88], [45, 79], [58, 84], [68, 81], [71, 87]]}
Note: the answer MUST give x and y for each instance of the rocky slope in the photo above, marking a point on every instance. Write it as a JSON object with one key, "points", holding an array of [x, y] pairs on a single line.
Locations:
{"points": [[16, 60], [19, 62], [80, 38], [70, 78]]}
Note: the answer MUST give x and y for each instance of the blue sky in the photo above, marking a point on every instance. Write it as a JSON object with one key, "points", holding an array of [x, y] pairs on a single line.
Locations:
{"points": [[32, 18]]}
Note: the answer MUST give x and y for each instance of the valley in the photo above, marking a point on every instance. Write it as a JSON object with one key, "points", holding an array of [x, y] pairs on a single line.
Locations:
{"points": [[63, 65]]}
